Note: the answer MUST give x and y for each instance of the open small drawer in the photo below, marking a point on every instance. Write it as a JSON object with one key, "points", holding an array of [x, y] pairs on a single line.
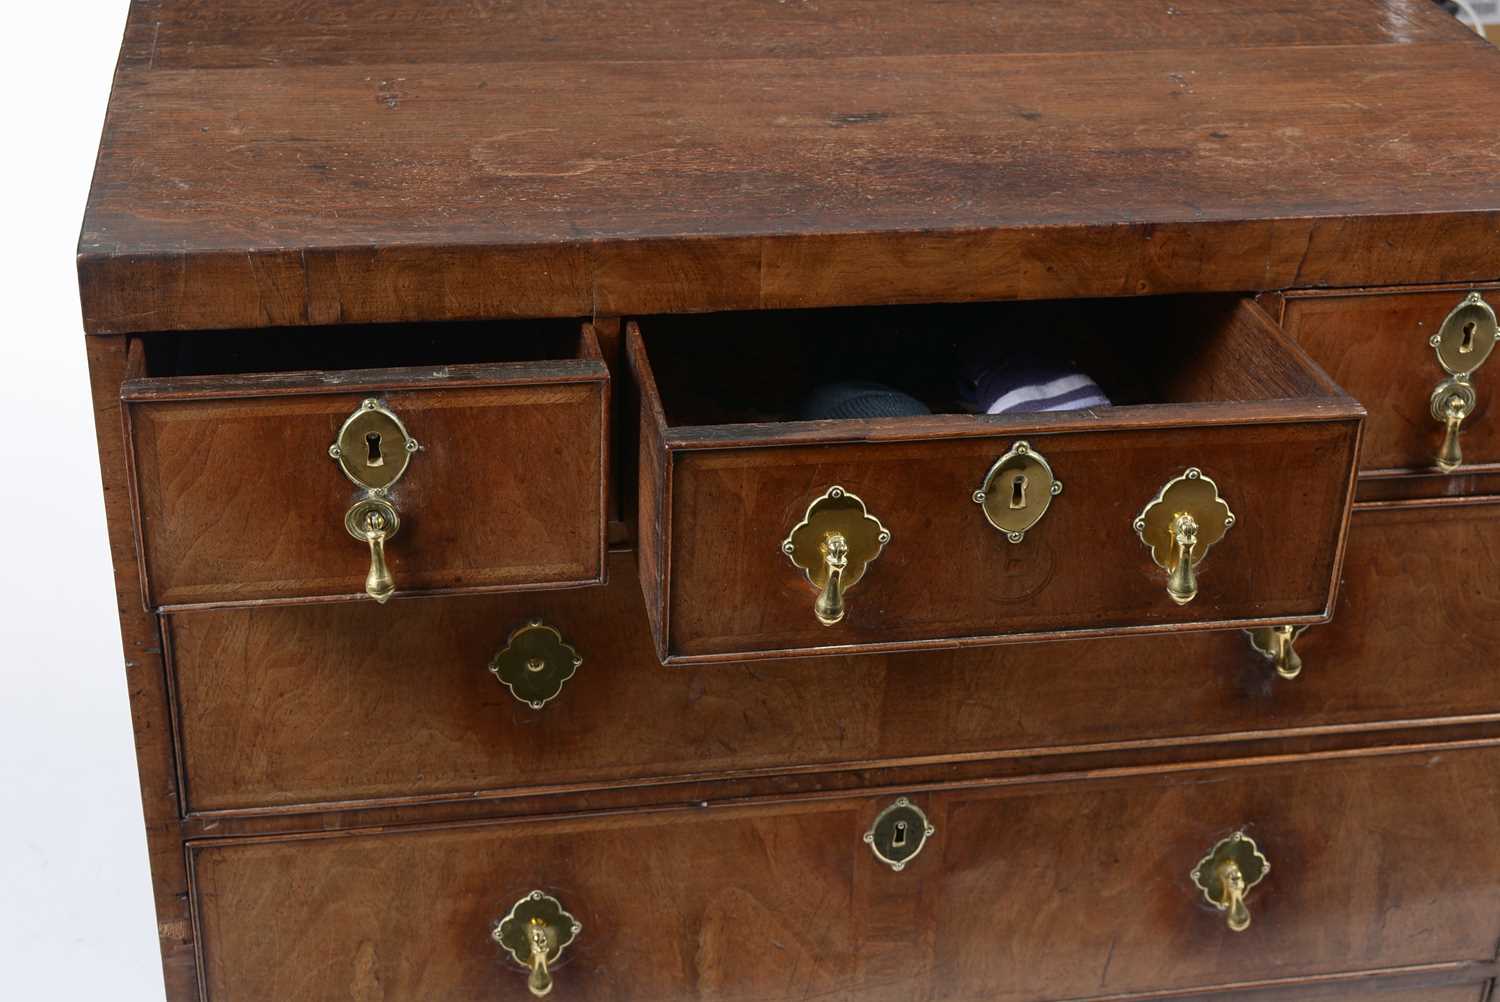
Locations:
{"points": [[1213, 491], [455, 458]]}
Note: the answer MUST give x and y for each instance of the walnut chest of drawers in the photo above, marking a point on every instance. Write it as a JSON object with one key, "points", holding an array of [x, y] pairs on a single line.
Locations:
{"points": [[497, 626]]}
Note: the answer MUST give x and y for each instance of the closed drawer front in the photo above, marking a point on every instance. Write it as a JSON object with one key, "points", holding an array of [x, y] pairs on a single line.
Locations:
{"points": [[1378, 347], [316, 704], [1026, 892], [739, 505], [498, 459]]}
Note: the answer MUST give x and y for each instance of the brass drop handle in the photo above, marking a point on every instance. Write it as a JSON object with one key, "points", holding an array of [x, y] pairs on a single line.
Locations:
{"points": [[1233, 882], [1451, 454], [1182, 583], [1276, 643], [1186, 517], [374, 521], [540, 936], [829, 608], [1227, 874], [834, 545], [535, 934]]}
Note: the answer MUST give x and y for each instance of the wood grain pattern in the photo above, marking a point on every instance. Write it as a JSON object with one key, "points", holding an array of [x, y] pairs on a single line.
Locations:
{"points": [[1047, 891], [277, 164], [1375, 346], [290, 707], [237, 499], [151, 696], [725, 496]]}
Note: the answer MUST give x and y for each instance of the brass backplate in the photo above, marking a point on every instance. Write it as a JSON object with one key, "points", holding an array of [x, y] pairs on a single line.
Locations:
{"points": [[373, 448], [1017, 491], [1467, 336], [1453, 386], [1240, 849], [511, 931], [535, 663], [358, 516], [1190, 493], [898, 834], [842, 513]]}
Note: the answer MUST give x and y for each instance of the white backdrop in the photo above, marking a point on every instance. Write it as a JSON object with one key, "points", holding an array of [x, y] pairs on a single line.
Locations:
{"points": [[76, 920]]}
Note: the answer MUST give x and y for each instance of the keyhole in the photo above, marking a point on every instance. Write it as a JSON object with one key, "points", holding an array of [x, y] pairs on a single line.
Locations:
{"points": [[1467, 344], [898, 839], [372, 444], [1018, 491]]}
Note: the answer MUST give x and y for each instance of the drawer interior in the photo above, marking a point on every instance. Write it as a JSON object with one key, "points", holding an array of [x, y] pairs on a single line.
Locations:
{"points": [[764, 367], [367, 346]]}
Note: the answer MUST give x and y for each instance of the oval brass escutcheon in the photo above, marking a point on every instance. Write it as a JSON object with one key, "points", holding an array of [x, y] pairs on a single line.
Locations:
{"points": [[535, 663], [373, 447], [1017, 491], [898, 834], [1467, 336]]}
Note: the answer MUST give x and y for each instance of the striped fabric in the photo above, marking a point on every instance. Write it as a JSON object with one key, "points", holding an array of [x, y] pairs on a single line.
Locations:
{"points": [[1007, 390]]}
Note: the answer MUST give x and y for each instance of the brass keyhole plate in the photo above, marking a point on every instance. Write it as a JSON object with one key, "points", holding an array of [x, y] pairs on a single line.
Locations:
{"points": [[1467, 336], [373, 448], [1017, 491], [899, 833], [1190, 493], [535, 663], [511, 932], [837, 512], [1239, 849]]}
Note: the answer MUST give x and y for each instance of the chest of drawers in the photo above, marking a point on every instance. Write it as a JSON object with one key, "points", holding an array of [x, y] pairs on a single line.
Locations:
{"points": [[501, 621]]}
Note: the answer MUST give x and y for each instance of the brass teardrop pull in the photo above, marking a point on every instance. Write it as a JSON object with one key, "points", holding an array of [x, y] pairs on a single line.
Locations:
{"points": [[1228, 873], [374, 521], [1452, 402], [834, 545], [540, 935], [535, 934], [1276, 644], [1179, 525]]}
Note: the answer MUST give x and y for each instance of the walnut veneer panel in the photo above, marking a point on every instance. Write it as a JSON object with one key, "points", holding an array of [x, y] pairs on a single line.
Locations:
{"points": [[277, 163], [1034, 892], [718, 499], [238, 500], [1375, 346], [312, 704]]}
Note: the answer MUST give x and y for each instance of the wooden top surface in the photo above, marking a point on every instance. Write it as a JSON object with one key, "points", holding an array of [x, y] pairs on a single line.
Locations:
{"points": [[286, 162]]}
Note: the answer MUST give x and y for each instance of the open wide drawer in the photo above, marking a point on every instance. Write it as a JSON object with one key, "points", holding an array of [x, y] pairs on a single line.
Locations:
{"points": [[1212, 490], [458, 458]]}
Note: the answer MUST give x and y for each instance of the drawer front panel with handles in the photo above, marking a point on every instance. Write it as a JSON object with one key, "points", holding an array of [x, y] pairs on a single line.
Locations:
{"points": [[1407, 356], [1018, 893], [1214, 493], [293, 486], [288, 705]]}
